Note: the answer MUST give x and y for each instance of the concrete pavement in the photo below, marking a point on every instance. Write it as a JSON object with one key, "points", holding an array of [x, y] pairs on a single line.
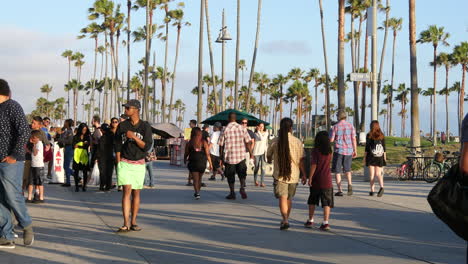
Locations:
{"points": [[79, 227]]}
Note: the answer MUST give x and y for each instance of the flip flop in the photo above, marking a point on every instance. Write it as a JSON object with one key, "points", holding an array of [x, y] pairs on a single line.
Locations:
{"points": [[135, 228], [123, 229]]}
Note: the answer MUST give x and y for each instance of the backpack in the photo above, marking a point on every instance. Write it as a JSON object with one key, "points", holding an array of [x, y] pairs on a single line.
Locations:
{"points": [[377, 149]]}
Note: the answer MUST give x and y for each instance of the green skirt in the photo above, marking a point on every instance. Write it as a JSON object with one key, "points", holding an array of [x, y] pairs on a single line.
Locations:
{"points": [[131, 174]]}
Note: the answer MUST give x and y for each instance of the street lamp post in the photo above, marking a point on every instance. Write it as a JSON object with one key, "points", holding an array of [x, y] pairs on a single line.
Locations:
{"points": [[222, 38]]}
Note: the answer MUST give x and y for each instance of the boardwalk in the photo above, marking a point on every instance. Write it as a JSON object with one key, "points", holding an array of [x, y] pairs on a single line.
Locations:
{"points": [[78, 227]]}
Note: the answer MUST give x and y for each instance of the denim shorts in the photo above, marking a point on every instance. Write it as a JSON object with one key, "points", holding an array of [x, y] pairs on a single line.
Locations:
{"points": [[341, 163]]}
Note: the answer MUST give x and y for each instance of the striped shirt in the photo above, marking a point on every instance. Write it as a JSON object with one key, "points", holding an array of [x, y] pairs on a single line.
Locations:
{"points": [[233, 139], [343, 134]]}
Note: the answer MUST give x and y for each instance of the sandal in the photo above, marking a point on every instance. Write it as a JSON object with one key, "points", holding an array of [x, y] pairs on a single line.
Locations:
{"points": [[123, 229], [135, 228]]}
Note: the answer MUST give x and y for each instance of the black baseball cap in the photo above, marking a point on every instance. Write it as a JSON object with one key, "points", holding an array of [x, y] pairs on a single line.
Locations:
{"points": [[133, 103]]}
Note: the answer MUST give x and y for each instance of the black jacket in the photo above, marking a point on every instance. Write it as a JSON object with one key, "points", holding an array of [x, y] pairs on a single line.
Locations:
{"points": [[128, 148]]}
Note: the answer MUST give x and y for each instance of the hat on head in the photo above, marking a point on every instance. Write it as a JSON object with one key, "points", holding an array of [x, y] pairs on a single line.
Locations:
{"points": [[133, 103], [218, 124]]}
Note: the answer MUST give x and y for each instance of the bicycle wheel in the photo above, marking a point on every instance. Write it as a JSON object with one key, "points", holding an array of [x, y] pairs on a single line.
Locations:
{"points": [[432, 173]]}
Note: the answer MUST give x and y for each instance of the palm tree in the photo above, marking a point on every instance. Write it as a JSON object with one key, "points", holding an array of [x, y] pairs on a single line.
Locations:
{"points": [[262, 81], [93, 30], [254, 58], [75, 86], [210, 48], [243, 68], [395, 25], [402, 97], [178, 16], [68, 54], [281, 80], [230, 86], [324, 46], [298, 90], [387, 91], [382, 56], [384, 113], [236, 81], [456, 87], [460, 56], [434, 35], [444, 59], [200, 64], [46, 89], [430, 93], [415, 136], [341, 35], [129, 32]]}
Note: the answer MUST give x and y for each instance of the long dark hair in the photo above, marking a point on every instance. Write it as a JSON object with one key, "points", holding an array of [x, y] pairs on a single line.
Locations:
{"points": [[196, 137], [322, 143], [375, 131], [284, 154], [79, 131]]}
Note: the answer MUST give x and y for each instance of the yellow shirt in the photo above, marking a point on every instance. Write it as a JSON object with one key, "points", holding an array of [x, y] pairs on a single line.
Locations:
{"points": [[297, 153]]}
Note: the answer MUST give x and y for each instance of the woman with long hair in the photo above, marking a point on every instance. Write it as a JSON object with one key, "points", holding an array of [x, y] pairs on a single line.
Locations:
{"points": [[197, 152], [114, 123], [105, 158], [287, 152], [375, 157], [81, 156], [320, 180]]}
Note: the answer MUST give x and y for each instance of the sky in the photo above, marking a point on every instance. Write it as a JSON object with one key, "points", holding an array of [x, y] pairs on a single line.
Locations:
{"points": [[33, 38]]}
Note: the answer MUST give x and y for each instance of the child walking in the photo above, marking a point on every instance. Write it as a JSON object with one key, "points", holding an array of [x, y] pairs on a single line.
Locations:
{"points": [[37, 168], [320, 180]]}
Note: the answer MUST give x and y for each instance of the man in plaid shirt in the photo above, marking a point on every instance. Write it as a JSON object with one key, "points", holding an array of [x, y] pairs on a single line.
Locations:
{"points": [[233, 142], [344, 136]]}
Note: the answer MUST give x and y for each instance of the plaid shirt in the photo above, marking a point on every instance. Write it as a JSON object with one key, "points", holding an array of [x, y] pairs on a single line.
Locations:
{"points": [[343, 134], [233, 139]]}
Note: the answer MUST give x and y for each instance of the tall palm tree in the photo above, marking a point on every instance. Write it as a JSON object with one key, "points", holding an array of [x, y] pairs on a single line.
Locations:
{"points": [[415, 137], [299, 91], [341, 35], [384, 47], [434, 35], [93, 30], [402, 97], [315, 75], [129, 32], [243, 68], [46, 89], [262, 81], [430, 93], [456, 87], [387, 91], [75, 86], [68, 54], [200, 64], [167, 20], [230, 86], [327, 88], [395, 25], [460, 56], [281, 80], [210, 48], [236, 80], [178, 16], [254, 58], [445, 60]]}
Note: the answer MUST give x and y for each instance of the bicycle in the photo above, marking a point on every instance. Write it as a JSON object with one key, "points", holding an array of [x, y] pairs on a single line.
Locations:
{"points": [[413, 164], [439, 166]]}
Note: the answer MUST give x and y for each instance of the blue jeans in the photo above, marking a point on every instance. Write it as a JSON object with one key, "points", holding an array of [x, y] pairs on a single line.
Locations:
{"points": [[68, 153], [11, 199], [149, 178], [259, 164]]}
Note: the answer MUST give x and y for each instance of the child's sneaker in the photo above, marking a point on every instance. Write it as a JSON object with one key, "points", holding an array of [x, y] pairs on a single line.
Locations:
{"points": [[308, 224], [325, 227]]}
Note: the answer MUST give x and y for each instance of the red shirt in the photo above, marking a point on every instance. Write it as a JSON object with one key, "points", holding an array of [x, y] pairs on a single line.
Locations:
{"points": [[322, 178]]}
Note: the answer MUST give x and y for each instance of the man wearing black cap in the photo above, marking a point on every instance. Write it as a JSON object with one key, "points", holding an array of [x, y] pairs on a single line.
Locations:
{"points": [[133, 140]]}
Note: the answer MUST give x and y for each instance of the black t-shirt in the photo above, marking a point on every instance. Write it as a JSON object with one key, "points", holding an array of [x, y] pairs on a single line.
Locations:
{"points": [[128, 148], [375, 148], [205, 135]]}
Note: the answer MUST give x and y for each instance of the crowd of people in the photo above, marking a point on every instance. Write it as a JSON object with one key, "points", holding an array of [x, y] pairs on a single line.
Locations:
{"points": [[125, 145]]}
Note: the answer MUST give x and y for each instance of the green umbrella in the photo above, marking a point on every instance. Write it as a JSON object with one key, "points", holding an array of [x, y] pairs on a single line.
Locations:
{"points": [[222, 117]]}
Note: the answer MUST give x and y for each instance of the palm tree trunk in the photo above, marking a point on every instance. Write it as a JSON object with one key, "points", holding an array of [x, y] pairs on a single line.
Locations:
{"points": [[415, 137], [462, 97], [341, 23], [431, 114], [390, 128], [236, 80], [69, 79], [208, 30], [175, 69], [382, 56], [446, 102], [327, 87], [364, 85], [154, 88], [316, 103], [254, 58], [434, 126], [129, 9], [354, 69], [94, 77], [147, 58], [200, 64]]}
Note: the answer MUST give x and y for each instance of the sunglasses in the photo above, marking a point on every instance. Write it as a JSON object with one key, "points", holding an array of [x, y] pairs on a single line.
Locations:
{"points": [[244, 123], [115, 122]]}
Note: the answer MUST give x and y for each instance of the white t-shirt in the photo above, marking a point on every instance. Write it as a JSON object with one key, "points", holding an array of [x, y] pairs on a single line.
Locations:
{"points": [[37, 161], [214, 150], [261, 143]]}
